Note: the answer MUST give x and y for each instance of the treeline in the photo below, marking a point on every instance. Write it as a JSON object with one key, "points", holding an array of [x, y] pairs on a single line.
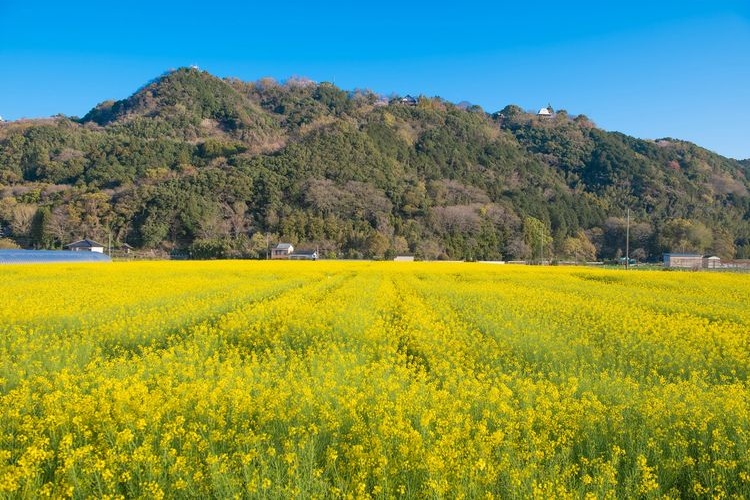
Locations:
{"points": [[220, 168]]}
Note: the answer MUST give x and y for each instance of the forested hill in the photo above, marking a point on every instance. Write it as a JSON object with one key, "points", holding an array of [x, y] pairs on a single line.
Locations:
{"points": [[218, 167]]}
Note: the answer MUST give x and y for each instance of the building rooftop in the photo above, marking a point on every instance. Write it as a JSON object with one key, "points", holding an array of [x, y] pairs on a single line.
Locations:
{"points": [[49, 256], [84, 243]]}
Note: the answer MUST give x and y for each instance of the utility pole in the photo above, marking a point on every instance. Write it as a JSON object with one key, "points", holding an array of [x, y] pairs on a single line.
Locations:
{"points": [[627, 241], [541, 246]]}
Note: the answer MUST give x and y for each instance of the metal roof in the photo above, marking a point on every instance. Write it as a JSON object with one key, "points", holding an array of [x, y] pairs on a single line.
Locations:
{"points": [[84, 243], [49, 256]]}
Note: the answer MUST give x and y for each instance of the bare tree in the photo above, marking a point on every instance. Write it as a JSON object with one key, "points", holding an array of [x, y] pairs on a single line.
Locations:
{"points": [[236, 215], [22, 214]]}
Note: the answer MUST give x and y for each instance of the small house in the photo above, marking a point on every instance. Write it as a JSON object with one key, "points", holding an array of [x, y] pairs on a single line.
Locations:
{"points": [[282, 251], [683, 260], [85, 245], [125, 248], [304, 255]]}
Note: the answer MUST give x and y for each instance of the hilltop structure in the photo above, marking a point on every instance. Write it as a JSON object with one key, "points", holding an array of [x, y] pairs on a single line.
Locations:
{"points": [[547, 112]]}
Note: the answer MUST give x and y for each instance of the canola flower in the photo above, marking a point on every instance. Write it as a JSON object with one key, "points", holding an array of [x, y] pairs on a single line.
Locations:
{"points": [[372, 380]]}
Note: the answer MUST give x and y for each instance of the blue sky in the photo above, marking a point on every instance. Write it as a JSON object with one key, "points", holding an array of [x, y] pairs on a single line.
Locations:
{"points": [[650, 69]]}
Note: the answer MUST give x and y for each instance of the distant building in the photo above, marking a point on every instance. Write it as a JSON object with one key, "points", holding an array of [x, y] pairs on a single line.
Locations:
{"points": [[403, 258], [683, 260], [546, 112], [304, 255], [736, 264], [712, 262], [125, 248], [85, 245], [282, 251], [409, 100]]}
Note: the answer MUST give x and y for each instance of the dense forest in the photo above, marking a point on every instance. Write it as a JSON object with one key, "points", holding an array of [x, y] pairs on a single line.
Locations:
{"points": [[215, 167]]}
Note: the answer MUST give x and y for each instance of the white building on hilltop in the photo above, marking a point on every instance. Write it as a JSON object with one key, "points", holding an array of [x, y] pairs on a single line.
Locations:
{"points": [[546, 112]]}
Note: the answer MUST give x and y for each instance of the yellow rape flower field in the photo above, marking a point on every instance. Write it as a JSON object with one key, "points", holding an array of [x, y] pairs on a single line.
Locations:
{"points": [[372, 380]]}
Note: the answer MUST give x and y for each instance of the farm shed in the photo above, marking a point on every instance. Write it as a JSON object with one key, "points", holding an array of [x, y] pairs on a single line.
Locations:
{"points": [[404, 258], [304, 255], [683, 260], [712, 262], [125, 248]]}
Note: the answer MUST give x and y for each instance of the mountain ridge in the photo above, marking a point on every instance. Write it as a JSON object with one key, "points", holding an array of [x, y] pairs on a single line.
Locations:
{"points": [[192, 161]]}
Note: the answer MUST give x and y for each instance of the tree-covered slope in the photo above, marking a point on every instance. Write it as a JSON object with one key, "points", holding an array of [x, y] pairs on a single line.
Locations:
{"points": [[189, 104], [218, 167]]}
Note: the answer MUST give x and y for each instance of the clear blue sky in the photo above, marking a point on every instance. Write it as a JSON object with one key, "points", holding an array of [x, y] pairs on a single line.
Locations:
{"points": [[646, 68]]}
